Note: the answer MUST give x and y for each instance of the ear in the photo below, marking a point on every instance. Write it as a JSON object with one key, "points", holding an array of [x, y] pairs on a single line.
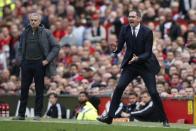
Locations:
{"points": [[139, 18]]}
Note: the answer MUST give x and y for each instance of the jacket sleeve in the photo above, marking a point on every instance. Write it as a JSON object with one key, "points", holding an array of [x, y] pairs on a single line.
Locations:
{"points": [[143, 112], [148, 47], [121, 40], [19, 50], [54, 47]]}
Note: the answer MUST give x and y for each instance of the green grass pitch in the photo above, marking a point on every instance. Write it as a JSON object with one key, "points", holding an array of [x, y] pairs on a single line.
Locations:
{"points": [[6, 124]]}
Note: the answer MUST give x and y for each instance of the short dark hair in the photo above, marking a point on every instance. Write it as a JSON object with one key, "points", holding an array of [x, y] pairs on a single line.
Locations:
{"points": [[53, 94], [145, 92], [137, 12], [133, 94], [85, 93]]}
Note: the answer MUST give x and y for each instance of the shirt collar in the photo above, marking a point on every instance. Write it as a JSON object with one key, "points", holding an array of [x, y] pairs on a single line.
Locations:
{"points": [[137, 27]]}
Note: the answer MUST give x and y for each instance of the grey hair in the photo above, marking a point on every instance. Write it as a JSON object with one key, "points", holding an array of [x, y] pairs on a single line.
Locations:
{"points": [[35, 14], [139, 14]]}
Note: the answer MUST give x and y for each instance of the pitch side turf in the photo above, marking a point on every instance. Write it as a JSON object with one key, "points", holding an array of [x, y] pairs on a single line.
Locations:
{"points": [[73, 125]]}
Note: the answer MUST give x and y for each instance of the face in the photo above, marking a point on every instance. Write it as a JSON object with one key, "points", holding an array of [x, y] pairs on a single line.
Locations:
{"points": [[174, 92], [5, 31], [184, 74], [52, 99], [170, 56], [190, 36], [14, 31], [145, 98], [85, 83], [74, 69], [185, 84], [111, 82], [134, 20], [160, 88], [69, 29], [82, 98], [34, 21], [115, 69], [189, 91], [175, 79], [182, 93], [173, 70], [137, 90], [132, 99]]}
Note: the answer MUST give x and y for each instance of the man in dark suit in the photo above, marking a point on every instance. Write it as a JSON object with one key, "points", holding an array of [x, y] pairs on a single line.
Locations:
{"points": [[37, 50], [138, 61]]}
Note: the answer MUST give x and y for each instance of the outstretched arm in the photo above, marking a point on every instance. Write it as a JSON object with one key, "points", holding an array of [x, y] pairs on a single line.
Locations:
{"points": [[121, 41]]}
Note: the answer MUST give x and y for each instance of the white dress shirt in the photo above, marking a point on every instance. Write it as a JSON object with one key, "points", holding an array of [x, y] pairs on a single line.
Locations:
{"points": [[137, 28]]}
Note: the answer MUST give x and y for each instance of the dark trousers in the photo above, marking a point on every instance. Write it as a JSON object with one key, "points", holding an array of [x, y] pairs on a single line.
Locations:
{"points": [[127, 75], [32, 70]]}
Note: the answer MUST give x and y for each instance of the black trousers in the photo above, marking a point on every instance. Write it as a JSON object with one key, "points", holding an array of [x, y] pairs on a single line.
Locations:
{"points": [[128, 74], [32, 70]]}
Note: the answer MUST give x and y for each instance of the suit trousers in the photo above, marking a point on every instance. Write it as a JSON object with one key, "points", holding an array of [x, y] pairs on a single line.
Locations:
{"points": [[127, 75], [32, 70]]}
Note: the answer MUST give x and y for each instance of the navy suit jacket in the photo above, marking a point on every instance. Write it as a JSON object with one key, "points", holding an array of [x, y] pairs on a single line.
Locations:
{"points": [[142, 47]]}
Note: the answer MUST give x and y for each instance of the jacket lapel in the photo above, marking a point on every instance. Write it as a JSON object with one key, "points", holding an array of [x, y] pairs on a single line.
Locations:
{"points": [[130, 36], [139, 33]]}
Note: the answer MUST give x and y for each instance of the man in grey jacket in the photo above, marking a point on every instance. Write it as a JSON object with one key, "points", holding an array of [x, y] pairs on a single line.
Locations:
{"points": [[37, 50]]}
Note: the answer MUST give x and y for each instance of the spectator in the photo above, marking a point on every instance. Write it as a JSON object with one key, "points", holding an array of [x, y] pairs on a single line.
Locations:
{"points": [[189, 92], [182, 93], [174, 93], [150, 15], [70, 38], [55, 109], [131, 106], [170, 28], [147, 110], [85, 111], [175, 81], [97, 32], [78, 31]]}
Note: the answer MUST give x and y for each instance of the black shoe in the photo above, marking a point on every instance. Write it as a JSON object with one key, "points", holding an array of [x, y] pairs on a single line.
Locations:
{"points": [[166, 124], [37, 118], [105, 119], [18, 118]]}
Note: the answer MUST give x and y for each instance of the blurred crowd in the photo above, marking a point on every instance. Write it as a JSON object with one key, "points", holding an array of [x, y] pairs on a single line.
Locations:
{"points": [[85, 29]]}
